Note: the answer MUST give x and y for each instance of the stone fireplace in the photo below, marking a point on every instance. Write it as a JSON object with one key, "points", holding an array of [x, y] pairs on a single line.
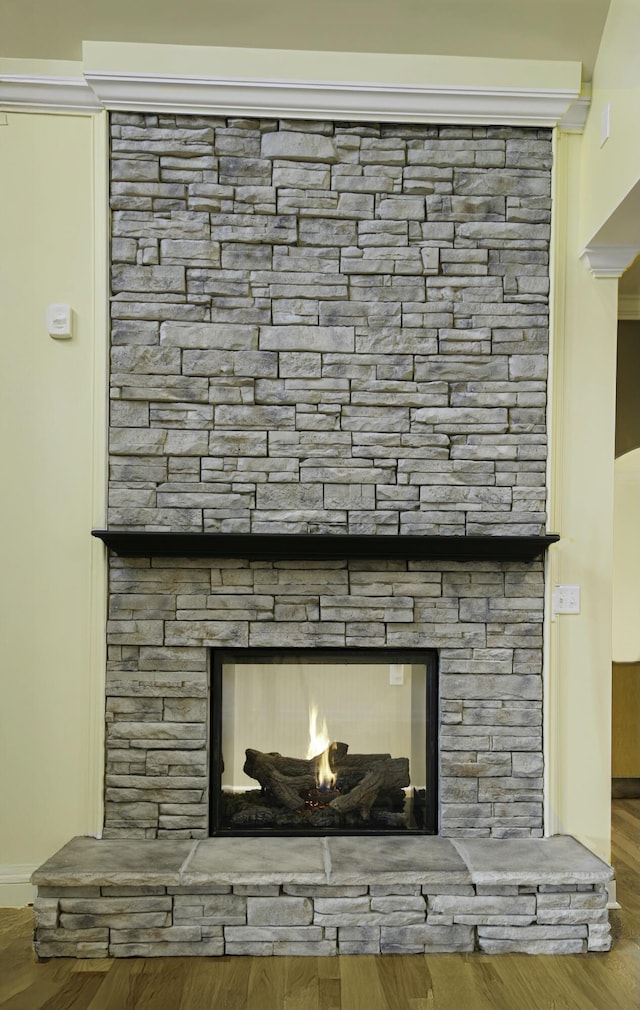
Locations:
{"points": [[490, 680], [327, 329], [328, 432]]}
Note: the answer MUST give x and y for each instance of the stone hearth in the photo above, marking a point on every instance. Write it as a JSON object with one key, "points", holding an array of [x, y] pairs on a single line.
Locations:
{"points": [[329, 896]]}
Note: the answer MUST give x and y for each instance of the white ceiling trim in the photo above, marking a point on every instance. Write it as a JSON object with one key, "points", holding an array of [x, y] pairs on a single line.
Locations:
{"points": [[287, 98], [609, 260], [47, 94], [575, 118], [330, 99], [628, 306]]}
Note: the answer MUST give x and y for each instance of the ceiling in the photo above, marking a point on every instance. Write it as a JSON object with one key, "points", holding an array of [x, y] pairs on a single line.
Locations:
{"points": [[517, 29]]}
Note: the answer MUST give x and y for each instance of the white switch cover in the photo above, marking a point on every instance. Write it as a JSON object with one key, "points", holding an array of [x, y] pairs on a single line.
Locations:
{"points": [[566, 600], [396, 673], [59, 320]]}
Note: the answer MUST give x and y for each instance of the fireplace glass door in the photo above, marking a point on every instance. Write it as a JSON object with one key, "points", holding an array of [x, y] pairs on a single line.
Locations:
{"points": [[323, 741]]}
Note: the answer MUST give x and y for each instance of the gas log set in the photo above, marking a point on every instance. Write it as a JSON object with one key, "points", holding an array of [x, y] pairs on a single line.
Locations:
{"points": [[333, 789]]}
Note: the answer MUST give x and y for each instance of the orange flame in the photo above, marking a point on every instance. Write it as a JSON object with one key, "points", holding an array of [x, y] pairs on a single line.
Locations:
{"points": [[319, 742]]}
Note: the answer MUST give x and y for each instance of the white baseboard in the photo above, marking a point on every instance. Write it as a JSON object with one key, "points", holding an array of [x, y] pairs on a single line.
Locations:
{"points": [[612, 895], [16, 888]]}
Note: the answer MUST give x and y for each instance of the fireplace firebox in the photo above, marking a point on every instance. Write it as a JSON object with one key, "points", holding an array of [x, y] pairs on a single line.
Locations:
{"points": [[323, 741]]}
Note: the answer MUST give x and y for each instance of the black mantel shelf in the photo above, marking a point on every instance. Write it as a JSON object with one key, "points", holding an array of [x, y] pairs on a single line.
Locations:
{"points": [[323, 547]]}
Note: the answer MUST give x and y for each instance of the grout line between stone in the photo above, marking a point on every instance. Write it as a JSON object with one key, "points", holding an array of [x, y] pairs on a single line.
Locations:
{"points": [[463, 852], [183, 868], [326, 856]]}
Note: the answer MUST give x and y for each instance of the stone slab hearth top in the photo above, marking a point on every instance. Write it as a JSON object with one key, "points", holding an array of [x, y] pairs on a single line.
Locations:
{"points": [[557, 860], [320, 861]]}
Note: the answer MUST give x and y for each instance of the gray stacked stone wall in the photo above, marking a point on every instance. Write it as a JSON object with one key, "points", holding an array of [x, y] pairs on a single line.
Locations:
{"points": [[485, 619], [315, 920], [324, 327], [319, 328]]}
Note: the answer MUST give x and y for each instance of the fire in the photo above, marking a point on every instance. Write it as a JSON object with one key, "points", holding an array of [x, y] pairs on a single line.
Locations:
{"points": [[319, 744]]}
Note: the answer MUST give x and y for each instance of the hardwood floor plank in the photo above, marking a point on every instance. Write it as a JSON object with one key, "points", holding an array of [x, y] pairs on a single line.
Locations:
{"points": [[301, 990], [39, 988], [118, 986], [266, 982], [12, 919], [405, 979], [76, 994], [209, 983], [362, 988], [329, 991], [230, 976], [94, 965], [463, 980], [545, 983], [619, 987], [21, 985], [625, 856]]}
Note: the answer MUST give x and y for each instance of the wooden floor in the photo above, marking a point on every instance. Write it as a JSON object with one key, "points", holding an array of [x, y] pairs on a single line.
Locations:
{"points": [[402, 982]]}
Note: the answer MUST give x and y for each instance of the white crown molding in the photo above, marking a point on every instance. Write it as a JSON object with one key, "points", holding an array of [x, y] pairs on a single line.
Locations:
{"points": [[609, 260], [575, 118], [338, 100], [629, 307], [31, 93], [237, 96]]}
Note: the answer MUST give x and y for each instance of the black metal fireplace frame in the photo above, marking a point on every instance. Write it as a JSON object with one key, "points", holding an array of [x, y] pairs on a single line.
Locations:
{"points": [[426, 656]]}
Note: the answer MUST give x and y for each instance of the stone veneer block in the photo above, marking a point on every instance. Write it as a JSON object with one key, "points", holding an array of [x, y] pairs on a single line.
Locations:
{"points": [[257, 860], [395, 860], [105, 861], [557, 860], [280, 912]]}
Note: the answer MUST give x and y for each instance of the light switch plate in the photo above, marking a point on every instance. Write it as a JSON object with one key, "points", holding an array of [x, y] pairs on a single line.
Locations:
{"points": [[566, 600]]}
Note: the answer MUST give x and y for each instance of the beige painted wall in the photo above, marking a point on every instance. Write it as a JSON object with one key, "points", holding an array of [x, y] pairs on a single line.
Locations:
{"points": [[53, 584], [610, 172], [578, 692], [301, 65]]}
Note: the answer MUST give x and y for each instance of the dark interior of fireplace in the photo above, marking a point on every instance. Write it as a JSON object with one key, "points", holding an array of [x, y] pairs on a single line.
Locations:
{"points": [[323, 741]]}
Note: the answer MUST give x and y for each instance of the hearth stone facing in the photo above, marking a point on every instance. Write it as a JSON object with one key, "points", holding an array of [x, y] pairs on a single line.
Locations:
{"points": [[483, 618], [405, 895]]}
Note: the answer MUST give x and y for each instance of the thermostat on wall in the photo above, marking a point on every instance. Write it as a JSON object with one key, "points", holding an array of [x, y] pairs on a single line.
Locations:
{"points": [[59, 320]]}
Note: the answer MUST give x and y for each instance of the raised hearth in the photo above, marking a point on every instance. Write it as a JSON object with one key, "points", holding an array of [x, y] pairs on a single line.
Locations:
{"points": [[99, 898]]}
